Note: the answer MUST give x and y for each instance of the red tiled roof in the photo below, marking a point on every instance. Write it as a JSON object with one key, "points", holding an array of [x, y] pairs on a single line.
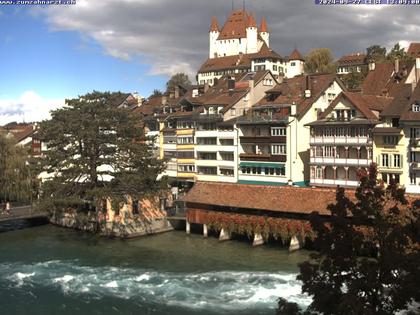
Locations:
{"points": [[263, 26], [271, 198], [366, 104], [414, 49], [214, 27], [296, 55], [251, 21], [384, 81], [354, 59], [235, 26], [292, 91], [408, 114]]}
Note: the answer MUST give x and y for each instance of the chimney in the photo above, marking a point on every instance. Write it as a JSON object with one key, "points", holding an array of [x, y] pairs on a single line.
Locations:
{"points": [[206, 87], [397, 65], [177, 91], [308, 87], [231, 83], [372, 65]]}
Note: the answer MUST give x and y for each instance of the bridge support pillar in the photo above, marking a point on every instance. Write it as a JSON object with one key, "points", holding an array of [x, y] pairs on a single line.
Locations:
{"points": [[205, 230], [224, 235], [295, 244], [258, 240], [187, 227]]}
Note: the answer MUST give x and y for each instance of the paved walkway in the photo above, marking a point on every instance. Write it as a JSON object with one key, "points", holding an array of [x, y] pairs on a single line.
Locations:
{"points": [[21, 213]]}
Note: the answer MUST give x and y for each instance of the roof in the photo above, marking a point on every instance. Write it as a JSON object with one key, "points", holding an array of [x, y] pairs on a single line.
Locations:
{"points": [[270, 198], [292, 91], [414, 49], [399, 103], [353, 59], [366, 104], [263, 26], [19, 132], [384, 81], [296, 55], [214, 27], [235, 26], [266, 52], [407, 113]]}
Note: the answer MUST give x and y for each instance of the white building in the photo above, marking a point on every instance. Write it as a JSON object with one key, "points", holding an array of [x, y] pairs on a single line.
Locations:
{"points": [[240, 46]]}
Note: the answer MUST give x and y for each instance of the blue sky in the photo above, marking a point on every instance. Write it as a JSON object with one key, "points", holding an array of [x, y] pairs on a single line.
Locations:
{"points": [[51, 53], [58, 64]]}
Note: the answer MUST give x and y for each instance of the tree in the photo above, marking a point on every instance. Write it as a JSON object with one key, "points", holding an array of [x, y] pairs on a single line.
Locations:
{"points": [[368, 253], [353, 80], [376, 53], [178, 79], [397, 52], [319, 60], [96, 151], [15, 181], [156, 93]]}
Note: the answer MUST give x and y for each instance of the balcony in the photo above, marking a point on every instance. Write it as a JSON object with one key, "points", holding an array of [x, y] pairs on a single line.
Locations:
{"points": [[261, 119], [262, 157], [415, 142], [334, 182], [341, 140], [415, 166], [262, 139], [341, 161]]}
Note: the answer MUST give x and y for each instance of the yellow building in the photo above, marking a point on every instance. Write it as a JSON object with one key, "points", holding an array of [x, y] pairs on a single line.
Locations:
{"points": [[390, 151]]}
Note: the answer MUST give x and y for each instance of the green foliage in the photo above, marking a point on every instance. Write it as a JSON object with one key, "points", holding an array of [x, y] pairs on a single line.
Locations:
{"points": [[353, 80], [319, 60], [96, 151], [15, 181], [376, 53], [398, 52], [178, 79], [367, 264], [156, 93]]}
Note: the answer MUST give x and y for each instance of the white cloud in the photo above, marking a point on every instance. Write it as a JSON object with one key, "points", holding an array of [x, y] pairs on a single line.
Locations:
{"points": [[29, 107], [172, 36]]}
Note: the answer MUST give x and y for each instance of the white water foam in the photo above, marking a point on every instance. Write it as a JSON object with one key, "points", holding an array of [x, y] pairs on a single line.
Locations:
{"points": [[219, 290]]}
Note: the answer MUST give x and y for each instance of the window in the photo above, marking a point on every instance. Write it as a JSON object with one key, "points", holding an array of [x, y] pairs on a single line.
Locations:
{"points": [[226, 141], [390, 140], [227, 172], [278, 131], [185, 154], [169, 154], [292, 64], [329, 152], [205, 170], [278, 149], [233, 111], [185, 125], [413, 178], [186, 168], [274, 67], [415, 107], [185, 140], [206, 141], [397, 160], [319, 173], [207, 156], [385, 160], [227, 156]]}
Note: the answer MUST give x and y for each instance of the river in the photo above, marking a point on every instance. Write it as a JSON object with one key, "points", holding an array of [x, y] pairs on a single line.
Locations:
{"points": [[50, 270]]}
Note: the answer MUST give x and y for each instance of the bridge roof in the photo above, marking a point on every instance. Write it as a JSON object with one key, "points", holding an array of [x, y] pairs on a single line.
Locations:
{"points": [[297, 200]]}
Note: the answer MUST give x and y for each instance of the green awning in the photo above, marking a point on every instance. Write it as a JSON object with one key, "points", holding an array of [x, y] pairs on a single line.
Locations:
{"points": [[255, 164]]}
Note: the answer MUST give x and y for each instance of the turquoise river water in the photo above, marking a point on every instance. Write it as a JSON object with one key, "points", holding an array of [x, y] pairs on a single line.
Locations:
{"points": [[49, 270]]}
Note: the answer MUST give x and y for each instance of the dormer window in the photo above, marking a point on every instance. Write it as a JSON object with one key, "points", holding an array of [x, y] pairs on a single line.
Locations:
{"points": [[415, 107]]}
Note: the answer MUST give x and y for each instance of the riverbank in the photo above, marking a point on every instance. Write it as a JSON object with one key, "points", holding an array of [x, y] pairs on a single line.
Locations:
{"points": [[71, 272]]}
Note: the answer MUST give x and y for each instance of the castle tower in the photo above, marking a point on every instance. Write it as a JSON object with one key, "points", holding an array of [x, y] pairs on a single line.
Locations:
{"points": [[213, 36], [252, 35], [296, 64], [265, 35]]}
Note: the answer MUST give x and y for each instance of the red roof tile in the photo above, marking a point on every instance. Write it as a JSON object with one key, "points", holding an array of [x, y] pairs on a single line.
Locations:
{"points": [[214, 27], [270, 198], [414, 49], [263, 26], [296, 55], [235, 26]]}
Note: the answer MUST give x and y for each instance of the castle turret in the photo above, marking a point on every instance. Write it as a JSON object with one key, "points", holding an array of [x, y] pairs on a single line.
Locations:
{"points": [[296, 64], [213, 36], [252, 35], [264, 32]]}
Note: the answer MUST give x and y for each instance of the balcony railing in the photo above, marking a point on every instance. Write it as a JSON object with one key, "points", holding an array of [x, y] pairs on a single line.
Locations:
{"points": [[341, 140], [254, 119], [262, 157], [262, 139]]}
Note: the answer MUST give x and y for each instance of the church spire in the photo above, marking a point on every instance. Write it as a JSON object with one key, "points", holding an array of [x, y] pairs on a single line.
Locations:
{"points": [[263, 27], [251, 21], [214, 27]]}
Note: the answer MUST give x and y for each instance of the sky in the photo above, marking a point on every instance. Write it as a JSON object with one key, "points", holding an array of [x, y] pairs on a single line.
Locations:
{"points": [[52, 53]]}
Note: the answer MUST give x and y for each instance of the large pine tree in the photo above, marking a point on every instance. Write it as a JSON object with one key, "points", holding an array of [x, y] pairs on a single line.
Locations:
{"points": [[96, 150]]}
